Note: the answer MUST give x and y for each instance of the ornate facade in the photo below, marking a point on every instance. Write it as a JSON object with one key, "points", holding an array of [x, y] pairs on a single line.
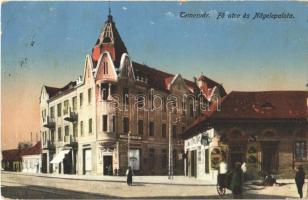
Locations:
{"points": [[119, 113]]}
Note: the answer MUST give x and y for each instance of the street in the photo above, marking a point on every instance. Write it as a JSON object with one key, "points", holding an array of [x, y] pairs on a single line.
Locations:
{"points": [[19, 186]]}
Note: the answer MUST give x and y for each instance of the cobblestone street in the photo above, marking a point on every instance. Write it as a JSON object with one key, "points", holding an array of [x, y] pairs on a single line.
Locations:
{"points": [[23, 186]]}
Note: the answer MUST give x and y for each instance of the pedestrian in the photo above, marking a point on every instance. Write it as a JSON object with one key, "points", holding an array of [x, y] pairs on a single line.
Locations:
{"points": [[129, 174], [223, 168], [236, 182], [300, 180], [244, 170]]}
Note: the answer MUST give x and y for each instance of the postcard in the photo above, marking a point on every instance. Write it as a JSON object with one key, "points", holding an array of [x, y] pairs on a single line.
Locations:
{"points": [[154, 99]]}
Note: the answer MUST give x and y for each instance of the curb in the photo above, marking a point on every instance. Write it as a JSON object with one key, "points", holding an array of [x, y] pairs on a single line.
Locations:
{"points": [[108, 180]]}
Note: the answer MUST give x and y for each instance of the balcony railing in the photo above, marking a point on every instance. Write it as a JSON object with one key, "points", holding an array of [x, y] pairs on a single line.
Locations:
{"points": [[71, 116], [49, 123], [49, 144], [70, 140]]}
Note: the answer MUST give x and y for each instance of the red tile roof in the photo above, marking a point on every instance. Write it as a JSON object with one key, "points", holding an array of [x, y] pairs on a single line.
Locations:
{"points": [[34, 150], [11, 155], [160, 80], [268, 105], [16, 154]]}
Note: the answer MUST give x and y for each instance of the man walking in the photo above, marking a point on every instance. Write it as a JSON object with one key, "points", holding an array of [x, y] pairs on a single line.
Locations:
{"points": [[300, 180]]}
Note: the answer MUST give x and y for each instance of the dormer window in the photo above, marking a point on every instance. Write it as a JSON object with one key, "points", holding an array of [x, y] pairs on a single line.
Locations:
{"points": [[267, 106]]}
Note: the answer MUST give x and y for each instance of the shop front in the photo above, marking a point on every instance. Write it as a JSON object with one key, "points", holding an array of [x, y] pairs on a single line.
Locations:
{"points": [[203, 155]]}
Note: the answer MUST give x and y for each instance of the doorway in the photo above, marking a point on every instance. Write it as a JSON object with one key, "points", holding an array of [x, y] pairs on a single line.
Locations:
{"points": [[193, 163], [87, 161], [44, 163], [107, 165], [269, 156]]}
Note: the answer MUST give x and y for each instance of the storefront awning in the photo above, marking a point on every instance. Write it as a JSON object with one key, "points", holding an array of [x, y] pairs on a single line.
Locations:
{"points": [[59, 157]]}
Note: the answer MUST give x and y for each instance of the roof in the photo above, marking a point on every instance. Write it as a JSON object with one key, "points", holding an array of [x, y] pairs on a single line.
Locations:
{"points": [[53, 91], [159, 79], [265, 105], [11, 155], [34, 150], [109, 39]]}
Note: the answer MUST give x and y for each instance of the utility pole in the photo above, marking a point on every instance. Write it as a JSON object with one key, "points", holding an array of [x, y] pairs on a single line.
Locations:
{"points": [[170, 169], [128, 141]]}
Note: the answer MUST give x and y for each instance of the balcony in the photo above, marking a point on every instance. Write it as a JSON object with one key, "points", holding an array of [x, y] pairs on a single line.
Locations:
{"points": [[49, 123], [49, 144], [70, 140], [71, 116]]}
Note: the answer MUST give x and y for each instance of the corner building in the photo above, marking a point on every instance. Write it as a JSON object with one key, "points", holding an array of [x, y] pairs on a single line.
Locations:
{"points": [[117, 114]]}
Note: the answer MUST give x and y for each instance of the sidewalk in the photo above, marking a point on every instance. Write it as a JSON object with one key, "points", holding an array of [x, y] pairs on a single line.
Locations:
{"points": [[177, 180]]}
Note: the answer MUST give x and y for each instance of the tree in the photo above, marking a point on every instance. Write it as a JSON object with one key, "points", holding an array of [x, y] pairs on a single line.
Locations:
{"points": [[24, 145]]}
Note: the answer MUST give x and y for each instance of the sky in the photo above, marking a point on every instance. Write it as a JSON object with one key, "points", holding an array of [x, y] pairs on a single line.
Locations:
{"points": [[45, 43]]}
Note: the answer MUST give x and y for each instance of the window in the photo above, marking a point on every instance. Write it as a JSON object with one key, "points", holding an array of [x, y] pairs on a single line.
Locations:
{"points": [[300, 150], [134, 159], [164, 158], [81, 99], [163, 130], [52, 135], [75, 130], [44, 115], [89, 95], [52, 112], [59, 134], [174, 131], [74, 103], [152, 158], [105, 68], [191, 110], [151, 129], [113, 123], [125, 96], [67, 130], [140, 127], [105, 91], [66, 105], [105, 119], [81, 128], [140, 100], [125, 125], [90, 125]]}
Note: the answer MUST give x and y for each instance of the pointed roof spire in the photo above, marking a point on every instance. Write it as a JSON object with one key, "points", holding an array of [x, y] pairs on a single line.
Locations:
{"points": [[109, 40]]}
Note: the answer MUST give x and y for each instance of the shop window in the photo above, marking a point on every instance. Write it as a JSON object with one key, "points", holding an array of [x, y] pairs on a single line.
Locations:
{"points": [[151, 158], [300, 150], [164, 158], [134, 159]]}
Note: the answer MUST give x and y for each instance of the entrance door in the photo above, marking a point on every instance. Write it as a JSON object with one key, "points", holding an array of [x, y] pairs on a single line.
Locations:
{"points": [[44, 163], [193, 163], [107, 165], [87, 161], [269, 156]]}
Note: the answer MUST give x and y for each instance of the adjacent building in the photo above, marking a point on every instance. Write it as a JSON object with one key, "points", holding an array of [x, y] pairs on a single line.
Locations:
{"points": [[31, 159], [267, 130], [119, 113]]}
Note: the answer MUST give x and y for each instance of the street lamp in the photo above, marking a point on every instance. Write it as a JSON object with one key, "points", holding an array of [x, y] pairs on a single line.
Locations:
{"points": [[170, 169]]}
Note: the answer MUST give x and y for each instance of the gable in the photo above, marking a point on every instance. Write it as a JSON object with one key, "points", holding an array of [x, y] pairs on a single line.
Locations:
{"points": [[106, 69], [126, 67], [178, 84]]}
